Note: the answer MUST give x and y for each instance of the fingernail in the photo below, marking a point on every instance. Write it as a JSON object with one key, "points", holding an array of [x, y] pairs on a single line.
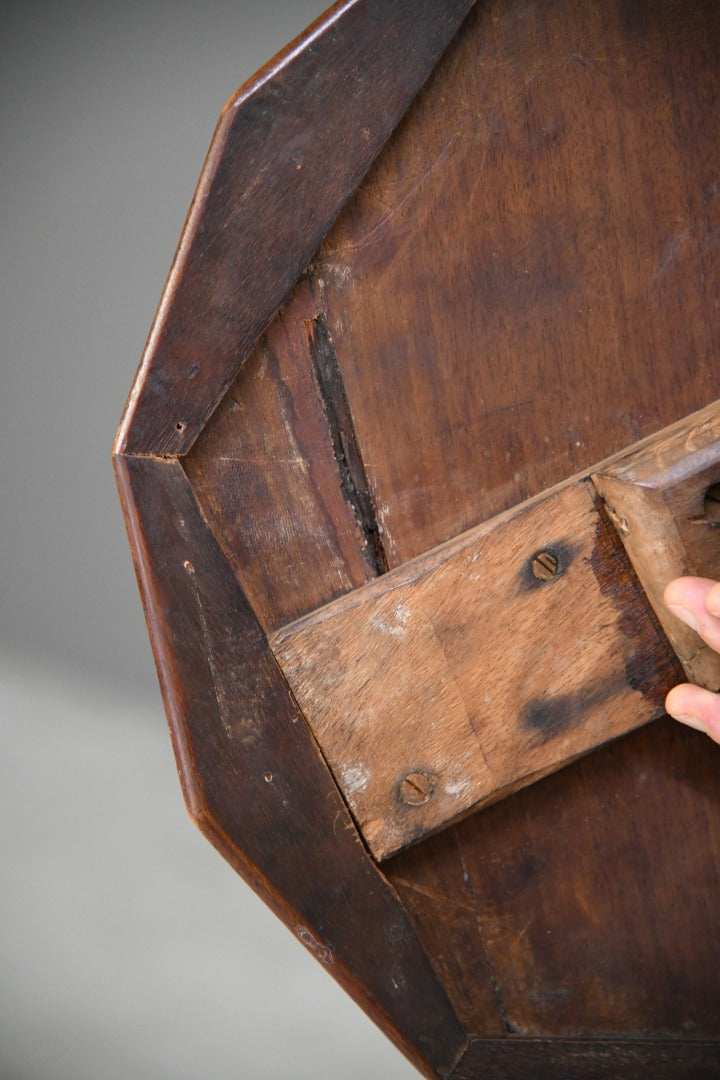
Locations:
{"points": [[691, 721], [685, 615]]}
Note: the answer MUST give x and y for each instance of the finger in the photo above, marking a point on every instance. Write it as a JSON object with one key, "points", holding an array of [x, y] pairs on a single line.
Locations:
{"points": [[695, 707], [688, 599], [712, 600]]}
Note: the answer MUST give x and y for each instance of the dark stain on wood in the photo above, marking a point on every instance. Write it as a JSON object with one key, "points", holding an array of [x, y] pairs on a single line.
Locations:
{"points": [[545, 718], [561, 551]]}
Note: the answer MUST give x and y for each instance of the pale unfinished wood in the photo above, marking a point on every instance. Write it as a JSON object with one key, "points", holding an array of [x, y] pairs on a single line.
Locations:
{"points": [[461, 676], [656, 498]]}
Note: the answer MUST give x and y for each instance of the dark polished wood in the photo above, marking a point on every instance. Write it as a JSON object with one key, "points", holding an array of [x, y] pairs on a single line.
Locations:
{"points": [[290, 148], [524, 282], [558, 1059], [253, 778], [527, 280]]}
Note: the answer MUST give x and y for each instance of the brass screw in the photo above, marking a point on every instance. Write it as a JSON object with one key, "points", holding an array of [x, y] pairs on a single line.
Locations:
{"points": [[416, 788], [544, 565]]}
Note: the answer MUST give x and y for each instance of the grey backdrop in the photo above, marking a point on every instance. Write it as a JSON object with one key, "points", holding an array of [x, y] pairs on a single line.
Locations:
{"points": [[127, 948]]}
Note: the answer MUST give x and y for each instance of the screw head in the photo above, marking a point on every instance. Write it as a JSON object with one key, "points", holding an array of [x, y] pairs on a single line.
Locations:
{"points": [[416, 787], [544, 565]]}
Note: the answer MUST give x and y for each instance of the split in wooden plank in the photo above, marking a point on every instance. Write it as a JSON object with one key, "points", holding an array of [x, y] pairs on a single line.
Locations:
{"points": [[266, 475], [527, 280], [290, 149]]}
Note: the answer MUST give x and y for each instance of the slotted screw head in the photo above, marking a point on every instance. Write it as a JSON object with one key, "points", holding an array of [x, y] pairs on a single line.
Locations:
{"points": [[544, 565], [416, 788]]}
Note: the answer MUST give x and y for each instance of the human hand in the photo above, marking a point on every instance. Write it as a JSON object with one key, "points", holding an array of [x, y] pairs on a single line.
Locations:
{"points": [[697, 602]]}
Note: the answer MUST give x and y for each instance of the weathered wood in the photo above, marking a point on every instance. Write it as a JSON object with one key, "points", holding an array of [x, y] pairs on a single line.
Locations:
{"points": [[267, 477], [584, 1059], [657, 500], [527, 280], [290, 148], [431, 880], [597, 891], [253, 778], [474, 669]]}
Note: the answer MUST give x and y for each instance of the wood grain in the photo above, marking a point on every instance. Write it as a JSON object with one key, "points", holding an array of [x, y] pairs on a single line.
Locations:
{"points": [[431, 881], [253, 779], [656, 499], [584, 1059], [597, 891], [462, 676], [290, 148], [266, 475], [527, 280]]}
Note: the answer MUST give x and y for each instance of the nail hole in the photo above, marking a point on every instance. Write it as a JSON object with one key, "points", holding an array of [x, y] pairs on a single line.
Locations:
{"points": [[180, 426], [268, 777], [711, 504], [544, 565], [189, 566]]}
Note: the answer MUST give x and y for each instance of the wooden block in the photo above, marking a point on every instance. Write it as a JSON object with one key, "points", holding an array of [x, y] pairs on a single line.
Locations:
{"points": [[471, 671], [656, 498]]}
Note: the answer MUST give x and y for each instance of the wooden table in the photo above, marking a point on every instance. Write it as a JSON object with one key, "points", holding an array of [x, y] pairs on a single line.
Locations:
{"points": [[424, 424]]}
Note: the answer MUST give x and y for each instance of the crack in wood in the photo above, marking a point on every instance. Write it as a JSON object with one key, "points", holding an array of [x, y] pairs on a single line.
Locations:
{"points": [[353, 479]]}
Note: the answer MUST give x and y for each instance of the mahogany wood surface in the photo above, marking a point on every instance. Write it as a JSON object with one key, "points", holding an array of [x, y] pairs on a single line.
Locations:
{"points": [[290, 147], [252, 776], [557, 1059], [525, 282], [591, 896]]}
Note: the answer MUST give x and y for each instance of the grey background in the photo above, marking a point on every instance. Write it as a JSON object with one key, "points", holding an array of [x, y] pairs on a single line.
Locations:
{"points": [[127, 947]]}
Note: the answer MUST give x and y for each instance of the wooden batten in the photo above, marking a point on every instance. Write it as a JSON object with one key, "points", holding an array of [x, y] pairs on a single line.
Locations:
{"points": [[492, 660], [472, 671]]}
